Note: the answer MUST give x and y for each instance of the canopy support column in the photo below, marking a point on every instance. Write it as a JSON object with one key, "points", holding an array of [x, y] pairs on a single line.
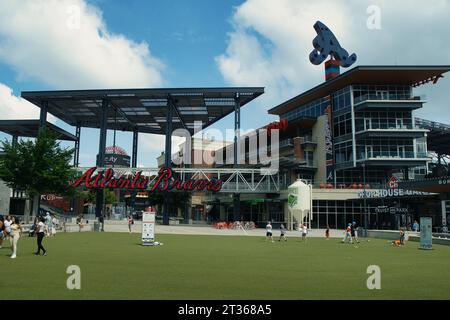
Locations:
{"points": [[168, 156], [101, 154], [76, 156], [135, 149], [43, 114], [237, 128]]}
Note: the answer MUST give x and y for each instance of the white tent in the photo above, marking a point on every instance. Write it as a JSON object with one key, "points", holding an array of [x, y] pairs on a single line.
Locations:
{"points": [[300, 203]]}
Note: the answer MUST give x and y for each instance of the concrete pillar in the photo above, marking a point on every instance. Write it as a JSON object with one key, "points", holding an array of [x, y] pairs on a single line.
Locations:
{"points": [[298, 149], [288, 219], [223, 212], [236, 206]]}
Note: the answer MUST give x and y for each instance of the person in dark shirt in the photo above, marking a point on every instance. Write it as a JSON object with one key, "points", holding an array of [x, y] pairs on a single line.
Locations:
{"points": [[101, 219], [402, 236], [354, 232]]}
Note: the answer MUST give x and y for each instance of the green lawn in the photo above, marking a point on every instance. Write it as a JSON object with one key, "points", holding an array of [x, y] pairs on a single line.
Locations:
{"points": [[116, 266]]}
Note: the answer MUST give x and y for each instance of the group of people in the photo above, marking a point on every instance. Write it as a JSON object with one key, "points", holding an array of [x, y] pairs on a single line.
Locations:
{"points": [[11, 229], [51, 223], [401, 240], [303, 228], [351, 233]]}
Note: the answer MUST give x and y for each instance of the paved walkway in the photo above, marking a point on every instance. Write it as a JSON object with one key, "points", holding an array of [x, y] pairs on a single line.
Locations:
{"points": [[117, 226]]}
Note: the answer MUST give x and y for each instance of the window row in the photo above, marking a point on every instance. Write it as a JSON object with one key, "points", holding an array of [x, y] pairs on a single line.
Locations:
{"points": [[315, 108]]}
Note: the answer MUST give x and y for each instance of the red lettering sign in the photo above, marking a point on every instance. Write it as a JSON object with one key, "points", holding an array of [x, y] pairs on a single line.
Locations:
{"points": [[165, 181], [281, 125], [393, 183]]}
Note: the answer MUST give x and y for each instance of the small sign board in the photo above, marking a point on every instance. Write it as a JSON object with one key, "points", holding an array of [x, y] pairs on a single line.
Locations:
{"points": [[148, 228], [426, 233]]}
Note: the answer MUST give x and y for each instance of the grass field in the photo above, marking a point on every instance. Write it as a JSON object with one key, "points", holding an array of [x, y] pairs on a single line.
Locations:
{"points": [[116, 266]]}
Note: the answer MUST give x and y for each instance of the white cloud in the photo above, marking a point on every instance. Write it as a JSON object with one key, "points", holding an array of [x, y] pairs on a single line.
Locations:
{"points": [[66, 44], [155, 143], [13, 107], [271, 41]]}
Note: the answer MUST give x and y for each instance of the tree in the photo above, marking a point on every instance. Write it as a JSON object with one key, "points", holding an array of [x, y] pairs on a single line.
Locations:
{"points": [[38, 166], [90, 196], [110, 197]]}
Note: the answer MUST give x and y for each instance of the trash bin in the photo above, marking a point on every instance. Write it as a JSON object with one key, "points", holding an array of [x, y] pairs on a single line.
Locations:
{"points": [[96, 226]]}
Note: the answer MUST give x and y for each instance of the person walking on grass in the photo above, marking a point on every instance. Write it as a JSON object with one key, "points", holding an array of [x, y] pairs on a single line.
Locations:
{"points": [[269, 231], [348, 234], [2, 230], [55, 223], [130, 222], [16, 231], [282, 233], [327, 233], [354, 232], [402, 236], [7, 223], [304, 231], [40, 232], [48, 222]]}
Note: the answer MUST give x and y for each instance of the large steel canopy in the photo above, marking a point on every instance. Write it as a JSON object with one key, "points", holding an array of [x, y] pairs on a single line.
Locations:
{"points": [[158, 111], [30, 128], [143, 110]]}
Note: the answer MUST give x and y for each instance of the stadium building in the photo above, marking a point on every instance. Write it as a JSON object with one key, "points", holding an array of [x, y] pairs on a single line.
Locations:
{"points": [[355, 138]]}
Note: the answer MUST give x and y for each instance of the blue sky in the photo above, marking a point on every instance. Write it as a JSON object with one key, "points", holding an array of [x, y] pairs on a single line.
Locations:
{"points": [[82, 44], [186, 35]]}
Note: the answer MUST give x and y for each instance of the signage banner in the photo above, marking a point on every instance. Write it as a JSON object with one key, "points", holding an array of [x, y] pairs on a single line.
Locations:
{"points": [[165, 181], [148, 228], [391, 210], [426, 233], [329, 143], [388, 193]]}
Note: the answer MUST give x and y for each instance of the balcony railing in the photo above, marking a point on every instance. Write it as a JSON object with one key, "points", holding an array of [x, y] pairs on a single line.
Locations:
{"points": [[307, 139], [286, 143], [290, 141], [390, 96], [389, 126], [392, 155]]}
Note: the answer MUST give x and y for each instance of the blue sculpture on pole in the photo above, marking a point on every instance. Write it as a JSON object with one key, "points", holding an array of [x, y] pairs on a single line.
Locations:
{"points": [[325, 44]]}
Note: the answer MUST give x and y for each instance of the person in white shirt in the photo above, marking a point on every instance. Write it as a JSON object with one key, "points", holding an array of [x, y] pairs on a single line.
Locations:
{"points": [[7, 223], [269, 231], [48, 222], [304, 231], [40, 232], [55, 223], [16, 229]]}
